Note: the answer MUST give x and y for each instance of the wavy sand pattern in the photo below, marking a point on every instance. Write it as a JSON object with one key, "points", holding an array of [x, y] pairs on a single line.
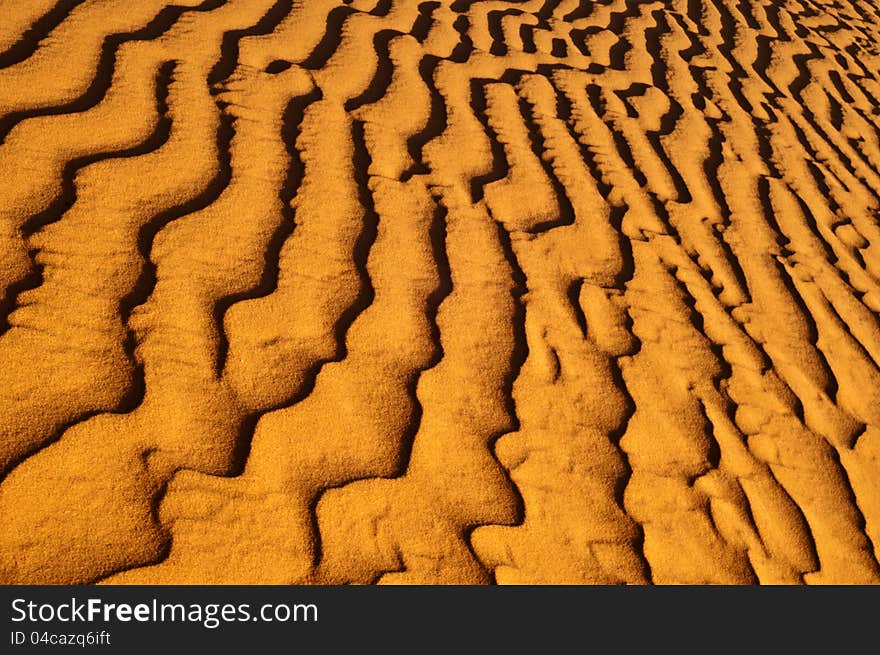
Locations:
{"points": [[471, 291]]}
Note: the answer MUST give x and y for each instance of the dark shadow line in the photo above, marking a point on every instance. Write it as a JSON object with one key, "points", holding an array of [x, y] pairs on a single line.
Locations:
{"points": [[229, 45], [30, 39], [103, 78]]}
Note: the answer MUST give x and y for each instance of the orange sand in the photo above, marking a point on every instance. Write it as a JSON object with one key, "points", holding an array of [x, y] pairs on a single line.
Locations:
{"points": [[314, 291]]}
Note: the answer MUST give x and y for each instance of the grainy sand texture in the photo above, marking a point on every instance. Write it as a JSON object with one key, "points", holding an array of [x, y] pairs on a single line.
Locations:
{"points": [[471, 291]]}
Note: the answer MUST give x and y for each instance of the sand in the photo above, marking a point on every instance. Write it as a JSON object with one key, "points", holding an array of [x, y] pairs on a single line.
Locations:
{"points": [[472, 291]]}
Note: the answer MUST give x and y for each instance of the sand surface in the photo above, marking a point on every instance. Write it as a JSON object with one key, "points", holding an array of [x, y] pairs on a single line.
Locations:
{"points": [[472, 291]]}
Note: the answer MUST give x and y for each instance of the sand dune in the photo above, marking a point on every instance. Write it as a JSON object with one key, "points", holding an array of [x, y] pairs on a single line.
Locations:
{"points": [[471, 291]]}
